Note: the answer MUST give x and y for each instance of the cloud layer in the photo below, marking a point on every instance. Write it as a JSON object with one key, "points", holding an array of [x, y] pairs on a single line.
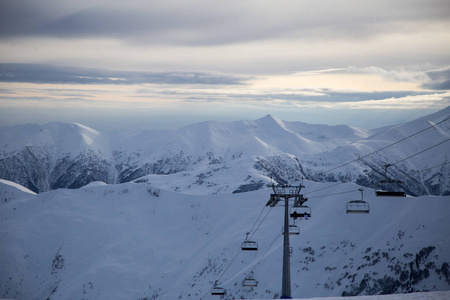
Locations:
{"points": [[41, 73], [217, 22], [224, 58]]}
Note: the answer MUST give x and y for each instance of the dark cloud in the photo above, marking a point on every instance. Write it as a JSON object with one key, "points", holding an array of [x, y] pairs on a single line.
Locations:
{"points": [[40, 73], [439, 79], [208, 23]]}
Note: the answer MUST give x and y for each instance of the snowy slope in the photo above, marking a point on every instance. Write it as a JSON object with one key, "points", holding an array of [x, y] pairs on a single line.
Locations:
{"points": [[210, 151], [230, 157], [413, 167], [55, 155], [135, 241], [412, 296]]}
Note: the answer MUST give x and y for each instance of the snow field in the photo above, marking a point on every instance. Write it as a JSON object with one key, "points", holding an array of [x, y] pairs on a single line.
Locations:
{"points": [[135, 241]]}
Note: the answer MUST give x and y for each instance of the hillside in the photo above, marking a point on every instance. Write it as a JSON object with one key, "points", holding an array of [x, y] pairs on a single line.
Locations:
{"points": [[137, 241], [230, 157]]}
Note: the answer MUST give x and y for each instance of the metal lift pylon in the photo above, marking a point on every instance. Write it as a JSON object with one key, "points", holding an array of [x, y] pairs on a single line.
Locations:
{"points": [[286, 192]]}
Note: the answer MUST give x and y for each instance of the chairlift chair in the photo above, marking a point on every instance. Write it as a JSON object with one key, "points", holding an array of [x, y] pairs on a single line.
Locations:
{"points": [[249, 281], [358, 206], [249, 245], [383, 192], [217, 290], [293, 229], [302, 212]]}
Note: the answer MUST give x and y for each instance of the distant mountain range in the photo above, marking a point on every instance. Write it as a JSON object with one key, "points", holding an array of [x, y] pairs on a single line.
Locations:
{"points": [[230, 157]]}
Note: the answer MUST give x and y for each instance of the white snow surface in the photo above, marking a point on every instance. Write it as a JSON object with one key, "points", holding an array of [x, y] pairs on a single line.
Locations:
{"points": [[136, 241], [14, 188], [58, 139], [443, 295]]}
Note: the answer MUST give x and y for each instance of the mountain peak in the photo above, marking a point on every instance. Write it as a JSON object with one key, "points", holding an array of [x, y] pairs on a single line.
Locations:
{"points": [[269, 117], [272, 124]]}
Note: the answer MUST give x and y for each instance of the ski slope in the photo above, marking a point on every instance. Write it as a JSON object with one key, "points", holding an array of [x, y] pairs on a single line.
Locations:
{"points": [[137, 241]]}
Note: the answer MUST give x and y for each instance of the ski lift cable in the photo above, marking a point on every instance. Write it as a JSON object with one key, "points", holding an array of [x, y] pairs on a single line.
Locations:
{"points": [[231, 262], [261, 222], [360, 158], [262, 256], [420, 152], [321, 196], [416, 113], [254, 224], [229, 265], [239, 250], [390, 145], [386, 172], [418, 171], [402, 120], [407, 175], [267, 250], [429, 148], [325, 188], [393, 164]]}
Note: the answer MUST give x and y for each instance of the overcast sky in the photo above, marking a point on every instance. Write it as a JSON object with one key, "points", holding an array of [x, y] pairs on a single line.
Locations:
{"points": [[165, 64]]}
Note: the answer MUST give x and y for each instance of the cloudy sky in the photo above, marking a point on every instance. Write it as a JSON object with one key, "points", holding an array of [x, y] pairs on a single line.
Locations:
{"points": [[119, 65]]}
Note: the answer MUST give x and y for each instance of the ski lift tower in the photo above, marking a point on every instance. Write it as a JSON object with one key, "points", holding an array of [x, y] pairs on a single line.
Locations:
{"points": [[286, 192]]}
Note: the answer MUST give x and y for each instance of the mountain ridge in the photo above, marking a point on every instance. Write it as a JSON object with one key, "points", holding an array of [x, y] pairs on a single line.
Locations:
{"points": [[61, 155]]}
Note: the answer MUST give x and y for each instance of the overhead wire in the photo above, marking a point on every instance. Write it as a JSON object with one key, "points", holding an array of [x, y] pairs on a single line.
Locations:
{"points": [[388, 146], [239, 250], [261, 222], [327, 187], [346, 192], [265, 252], [224, 271], [404, 159], [264, 207], [418, 171], [429, 148], [416, 113], [383, 148], [262, 256], [401, 121]]}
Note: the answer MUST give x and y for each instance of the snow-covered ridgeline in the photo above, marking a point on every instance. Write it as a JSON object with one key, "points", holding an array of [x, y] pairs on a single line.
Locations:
{"points": [[227, 157]]}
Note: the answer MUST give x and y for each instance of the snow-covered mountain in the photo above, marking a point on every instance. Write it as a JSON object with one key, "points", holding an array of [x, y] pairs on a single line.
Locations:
{"points": [[137, 241], [55, 155], [218, 157]]}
